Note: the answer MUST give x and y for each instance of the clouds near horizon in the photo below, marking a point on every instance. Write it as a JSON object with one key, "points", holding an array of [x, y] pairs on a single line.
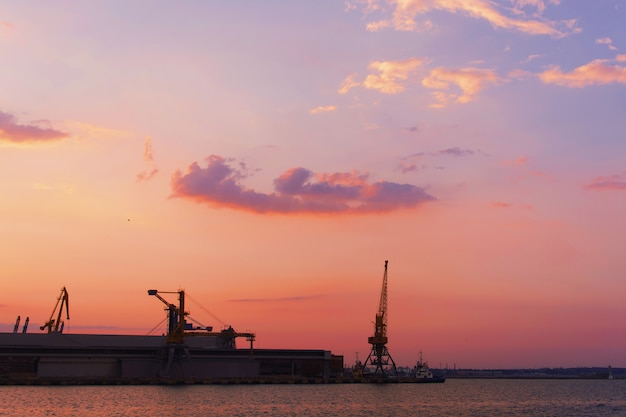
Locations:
{"points": [[615, 182], [297, 190], [294, 298], [14, 132]]}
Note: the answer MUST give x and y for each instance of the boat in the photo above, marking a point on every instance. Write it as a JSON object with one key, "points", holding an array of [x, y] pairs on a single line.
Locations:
{"points": [[422, 373]]}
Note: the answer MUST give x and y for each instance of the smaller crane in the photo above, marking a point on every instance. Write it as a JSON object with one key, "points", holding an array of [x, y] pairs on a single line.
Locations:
{"points": [[176, 315], [178, 328], [56, 325]]}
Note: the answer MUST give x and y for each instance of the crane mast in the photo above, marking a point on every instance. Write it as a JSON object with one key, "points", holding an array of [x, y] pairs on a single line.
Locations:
{"points": [[178, 328], [56, 325], [381, 316], [176, 315], [379, 356]]}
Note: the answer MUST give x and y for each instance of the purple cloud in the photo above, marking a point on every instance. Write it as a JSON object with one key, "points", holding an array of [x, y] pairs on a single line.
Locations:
{"points": [[410, 163], [611, 182], [281, 299], [11, 131], [456, 151], [297, 190]]}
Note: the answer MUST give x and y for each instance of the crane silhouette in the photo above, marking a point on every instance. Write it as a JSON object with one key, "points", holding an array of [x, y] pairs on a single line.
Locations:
{"points": [[379, 356]]}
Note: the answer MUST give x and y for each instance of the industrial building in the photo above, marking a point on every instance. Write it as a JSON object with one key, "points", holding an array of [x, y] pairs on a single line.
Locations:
{"points": [[185, 354], [85, 358]]}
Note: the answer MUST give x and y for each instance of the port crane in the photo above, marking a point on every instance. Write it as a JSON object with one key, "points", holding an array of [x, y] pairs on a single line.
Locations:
{"points": [[17, 324], [379, 356], [175, 315], [56, 325], [178, 328]]}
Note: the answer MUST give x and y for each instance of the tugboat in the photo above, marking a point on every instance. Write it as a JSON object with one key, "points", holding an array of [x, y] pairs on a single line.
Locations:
{"points": [[422, 372]]}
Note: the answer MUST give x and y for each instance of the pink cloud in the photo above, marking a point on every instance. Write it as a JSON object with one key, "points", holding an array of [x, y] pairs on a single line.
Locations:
{"points": [[595, 72], [608, 42], [149, 158], [322, 109], [615, 182], [348, 83], [147, 150], [11, 131], [520, 161], [405, 13], [147, 175], [387, 77], [406, 167], [521, 171], [6, 24], [540, 5], [505, 205], [531, 58], [469, 80], [519, 74], [297, 190]]}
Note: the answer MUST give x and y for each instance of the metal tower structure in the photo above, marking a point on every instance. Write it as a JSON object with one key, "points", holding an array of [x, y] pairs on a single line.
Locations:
{"points": [[56, 325], [178, 328], [379, 356], [175, 351], [175, 315]]}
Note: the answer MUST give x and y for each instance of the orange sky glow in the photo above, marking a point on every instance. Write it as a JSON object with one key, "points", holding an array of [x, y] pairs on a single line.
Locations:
{"points": [[269, 160]]}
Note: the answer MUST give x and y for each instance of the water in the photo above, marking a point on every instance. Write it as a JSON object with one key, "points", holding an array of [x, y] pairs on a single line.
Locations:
{"points": [[480, 398]]}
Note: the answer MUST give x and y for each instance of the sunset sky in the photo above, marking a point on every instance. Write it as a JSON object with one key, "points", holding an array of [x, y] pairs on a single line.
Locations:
{"points": [[268, 156]]}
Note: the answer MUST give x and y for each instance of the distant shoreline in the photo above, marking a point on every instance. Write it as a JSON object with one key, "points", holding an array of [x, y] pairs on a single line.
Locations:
{"points": [[539, 373]]}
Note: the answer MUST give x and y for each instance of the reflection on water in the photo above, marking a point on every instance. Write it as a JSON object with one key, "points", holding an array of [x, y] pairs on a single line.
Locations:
{"points": [[453, 398]]}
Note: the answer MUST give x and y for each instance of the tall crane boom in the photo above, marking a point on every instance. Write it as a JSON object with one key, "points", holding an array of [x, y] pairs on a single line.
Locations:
{"points": [[176, 315], [382, 304], [178, 327], [379, 356], [56, 325]]}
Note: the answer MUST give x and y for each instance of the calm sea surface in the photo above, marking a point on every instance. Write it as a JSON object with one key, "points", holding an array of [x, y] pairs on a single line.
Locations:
{"points": [[453, 398]]}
